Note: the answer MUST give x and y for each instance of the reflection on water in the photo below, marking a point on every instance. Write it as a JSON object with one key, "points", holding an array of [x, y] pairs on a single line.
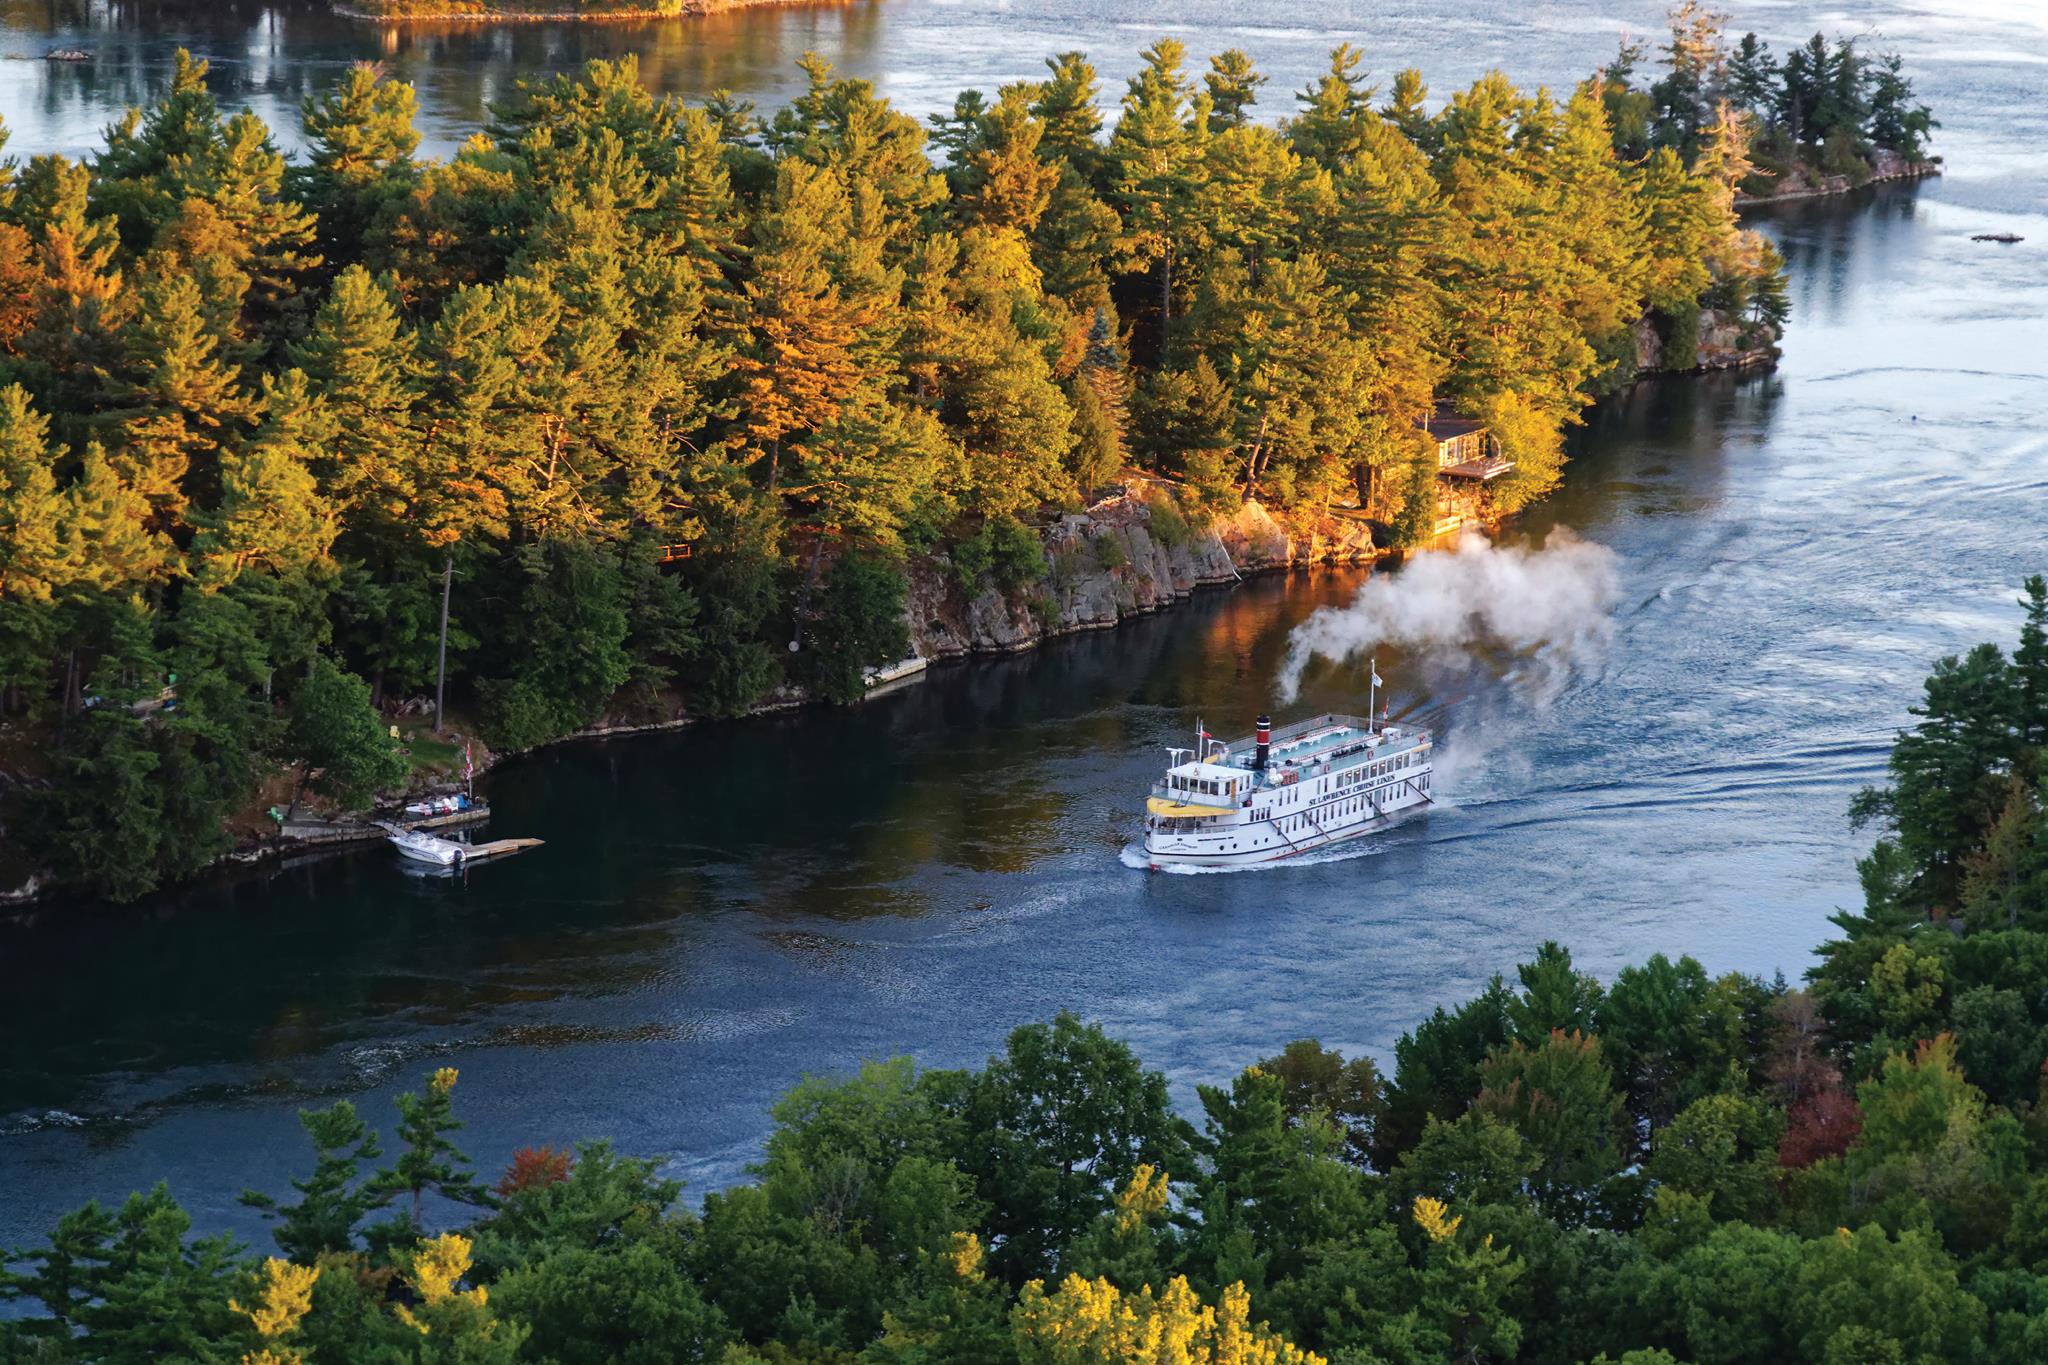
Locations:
{"points": [[718, 911]]}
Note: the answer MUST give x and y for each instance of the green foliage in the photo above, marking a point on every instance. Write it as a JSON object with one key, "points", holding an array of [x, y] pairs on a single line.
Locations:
{"points": [[1317, 1080], [1668, 1167], [567, 653], [1005, 551], [1063, 1118], [627, 370], [860, 626], [333, 1199], [334, 735], [133, 1285], [429, 1162], [1559, 1095], [632, 1304]]}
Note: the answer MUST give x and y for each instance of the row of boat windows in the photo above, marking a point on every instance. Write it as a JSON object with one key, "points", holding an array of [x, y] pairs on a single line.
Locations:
{"points": [[1207, 786], [1379, 769], [1340, 810], [1305, 823], [1366, 773]]}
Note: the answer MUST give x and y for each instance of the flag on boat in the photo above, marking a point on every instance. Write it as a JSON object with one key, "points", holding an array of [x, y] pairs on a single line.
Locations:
{"points": [[468, 766], [1377, 680]]}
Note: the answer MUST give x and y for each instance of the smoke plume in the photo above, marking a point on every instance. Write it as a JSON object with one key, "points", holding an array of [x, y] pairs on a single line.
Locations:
{"points": [[1553, 603]]}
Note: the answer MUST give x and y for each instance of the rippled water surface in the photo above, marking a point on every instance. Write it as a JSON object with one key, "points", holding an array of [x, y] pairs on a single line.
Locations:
{"points": [[718, 912]]}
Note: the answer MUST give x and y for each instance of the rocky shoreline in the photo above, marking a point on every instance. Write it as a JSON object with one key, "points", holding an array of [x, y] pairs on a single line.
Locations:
{"points": [[484, 12], [1803, 182], [1104, 566]]}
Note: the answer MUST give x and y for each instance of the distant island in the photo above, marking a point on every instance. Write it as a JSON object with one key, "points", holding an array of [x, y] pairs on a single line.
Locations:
{"points": [[1826, 118], [632, 413]]}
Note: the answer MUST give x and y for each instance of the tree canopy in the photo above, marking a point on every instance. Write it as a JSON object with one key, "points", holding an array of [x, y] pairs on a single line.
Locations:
{"points": [[609, 409]]}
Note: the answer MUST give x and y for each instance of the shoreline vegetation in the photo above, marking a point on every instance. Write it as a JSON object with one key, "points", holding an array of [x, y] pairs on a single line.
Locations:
{"points": [[542, 11], [1664, 1167], [634, 410]]}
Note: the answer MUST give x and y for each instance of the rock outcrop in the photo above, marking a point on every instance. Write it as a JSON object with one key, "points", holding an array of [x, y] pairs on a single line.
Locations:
{"points": [[1806, 182], [1125, 556]]}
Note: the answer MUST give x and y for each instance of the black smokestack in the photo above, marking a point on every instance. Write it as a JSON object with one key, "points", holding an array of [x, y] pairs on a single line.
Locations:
{"points": [[1265, 743]]}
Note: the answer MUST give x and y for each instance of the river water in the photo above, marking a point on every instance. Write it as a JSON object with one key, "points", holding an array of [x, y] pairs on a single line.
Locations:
{"points": [[720, 911]]}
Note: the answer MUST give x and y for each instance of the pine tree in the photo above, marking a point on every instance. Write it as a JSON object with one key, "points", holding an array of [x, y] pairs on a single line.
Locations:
{"points": [[270, 512], [1154, 172], [1405, 109], [360, 141], [79, 299], [2030, 670], [1000, 178], [1948, 775], [801, 364], [1330, 129], [1233, 86], [1895, 123], [175, 406], [104, 535], [430, 1161], [30, 566], [102, 824], [1685, 98], [1753, 77], [839, 125], [1066, 105]]}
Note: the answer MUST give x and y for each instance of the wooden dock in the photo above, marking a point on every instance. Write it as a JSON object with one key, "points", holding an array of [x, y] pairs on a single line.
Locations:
{"points": [[498, 847], [361, 832]]}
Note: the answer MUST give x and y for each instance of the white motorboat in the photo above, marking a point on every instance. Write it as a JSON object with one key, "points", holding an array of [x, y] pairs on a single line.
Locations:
{"points": [[426, 848]]}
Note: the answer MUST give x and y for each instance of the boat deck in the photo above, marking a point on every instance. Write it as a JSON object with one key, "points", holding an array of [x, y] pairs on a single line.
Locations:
{"points": [[1336, 741]]}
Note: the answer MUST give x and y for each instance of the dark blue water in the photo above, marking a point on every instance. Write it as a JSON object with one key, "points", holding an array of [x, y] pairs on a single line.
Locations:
{"points": [[718, 912]]}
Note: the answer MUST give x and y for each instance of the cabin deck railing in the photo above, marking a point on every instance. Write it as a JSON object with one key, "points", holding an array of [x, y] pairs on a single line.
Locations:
{"points": [[1287, 733]]}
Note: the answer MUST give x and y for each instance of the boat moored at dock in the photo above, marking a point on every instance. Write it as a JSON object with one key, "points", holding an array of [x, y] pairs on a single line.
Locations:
{"points": [[1282, 793]]}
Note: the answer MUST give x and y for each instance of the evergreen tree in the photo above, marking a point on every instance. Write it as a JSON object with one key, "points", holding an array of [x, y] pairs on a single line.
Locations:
{"points": [[1753, 77], [1948, 776], [269, 513], [1066, 105], [1233, 86], [333, 1198], [1695, 81], [429, 1163], [1895, 123], [177, 406], [1153, 172], [340, 747], [102, 824], [2030, 665], [360, 140]]}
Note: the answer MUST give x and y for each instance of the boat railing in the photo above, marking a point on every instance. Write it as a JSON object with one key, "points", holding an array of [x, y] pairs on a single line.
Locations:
{"points": [[1300, 728]]}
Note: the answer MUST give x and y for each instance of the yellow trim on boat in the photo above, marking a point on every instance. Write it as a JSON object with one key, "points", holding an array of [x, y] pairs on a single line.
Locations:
{"points": [[1159, 805]]}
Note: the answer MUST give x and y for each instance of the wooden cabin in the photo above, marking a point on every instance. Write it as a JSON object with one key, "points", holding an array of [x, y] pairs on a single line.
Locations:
{"points": [[1467, 459], [1465, 449]]}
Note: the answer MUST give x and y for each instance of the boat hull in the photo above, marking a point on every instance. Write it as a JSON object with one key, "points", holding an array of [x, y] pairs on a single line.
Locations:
{"points": [[1259, 843], [426, 849]]}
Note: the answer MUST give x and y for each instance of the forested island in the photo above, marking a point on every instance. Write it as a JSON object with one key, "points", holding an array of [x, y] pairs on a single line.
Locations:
{"points": [[638, 410], [534, 11], [1670, 1167]]}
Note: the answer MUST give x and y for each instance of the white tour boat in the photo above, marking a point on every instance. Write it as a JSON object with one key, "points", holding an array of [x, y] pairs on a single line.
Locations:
{"points": [[1284, 792]]}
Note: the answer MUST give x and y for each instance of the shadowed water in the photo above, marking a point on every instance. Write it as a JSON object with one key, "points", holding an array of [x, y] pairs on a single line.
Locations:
{"points": [[717, 912]]}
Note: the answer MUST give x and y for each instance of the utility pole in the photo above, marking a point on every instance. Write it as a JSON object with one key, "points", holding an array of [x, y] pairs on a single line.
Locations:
{"points": [[441, 667]]}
